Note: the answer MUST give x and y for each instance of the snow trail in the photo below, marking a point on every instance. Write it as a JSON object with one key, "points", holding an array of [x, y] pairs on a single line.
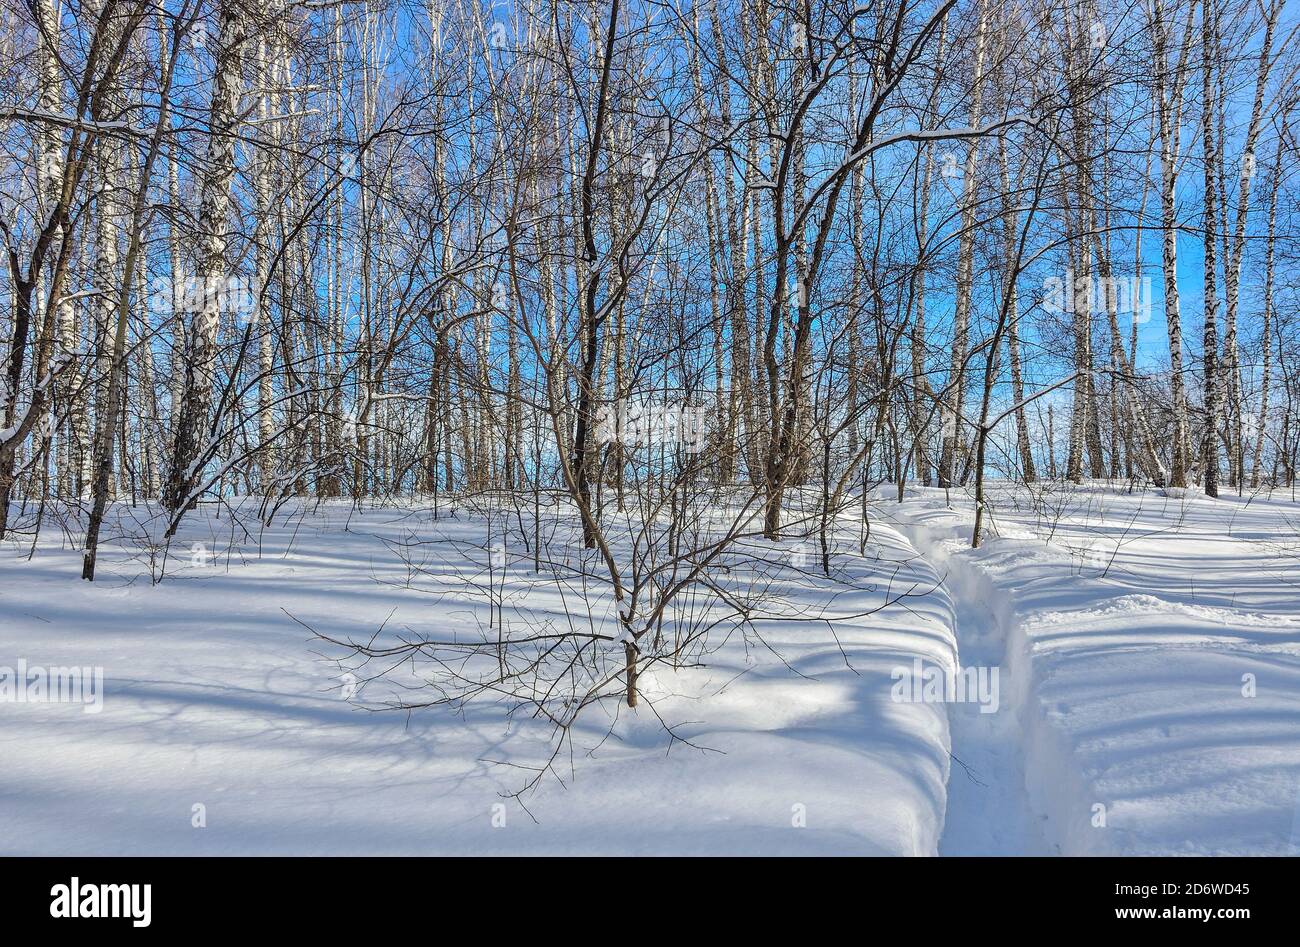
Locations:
{"points": [[1150, 671], [988, 811]]}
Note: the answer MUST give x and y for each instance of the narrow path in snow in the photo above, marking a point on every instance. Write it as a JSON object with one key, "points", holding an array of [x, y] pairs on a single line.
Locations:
{"points": [[988, 809], [991, 816]]}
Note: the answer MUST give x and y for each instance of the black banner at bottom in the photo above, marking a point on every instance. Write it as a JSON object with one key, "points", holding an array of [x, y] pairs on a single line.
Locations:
{"points": [[367, 896]]}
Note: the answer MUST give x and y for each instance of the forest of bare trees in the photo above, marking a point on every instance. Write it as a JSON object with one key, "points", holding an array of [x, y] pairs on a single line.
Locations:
{"points": [[635, 254]]}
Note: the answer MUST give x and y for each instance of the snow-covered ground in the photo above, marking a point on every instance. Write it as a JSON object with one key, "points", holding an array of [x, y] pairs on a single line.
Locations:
{"points": [[1152, 645], [215, 695], [1148, 696]]}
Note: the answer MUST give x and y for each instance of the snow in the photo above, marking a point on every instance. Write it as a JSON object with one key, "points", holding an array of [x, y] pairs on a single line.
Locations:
{"points": [[988, 810], [1125, 627], [214, 696], [1130, 625]]}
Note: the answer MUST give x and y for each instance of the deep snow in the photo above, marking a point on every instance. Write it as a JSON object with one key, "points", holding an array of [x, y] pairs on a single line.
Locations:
{"points": [[215, 695], [1125, 628], [1153, 643]]}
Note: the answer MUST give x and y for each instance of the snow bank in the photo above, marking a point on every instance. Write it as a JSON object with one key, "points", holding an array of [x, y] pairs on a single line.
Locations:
{"points": [[224, 730], [1154, 644]]}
